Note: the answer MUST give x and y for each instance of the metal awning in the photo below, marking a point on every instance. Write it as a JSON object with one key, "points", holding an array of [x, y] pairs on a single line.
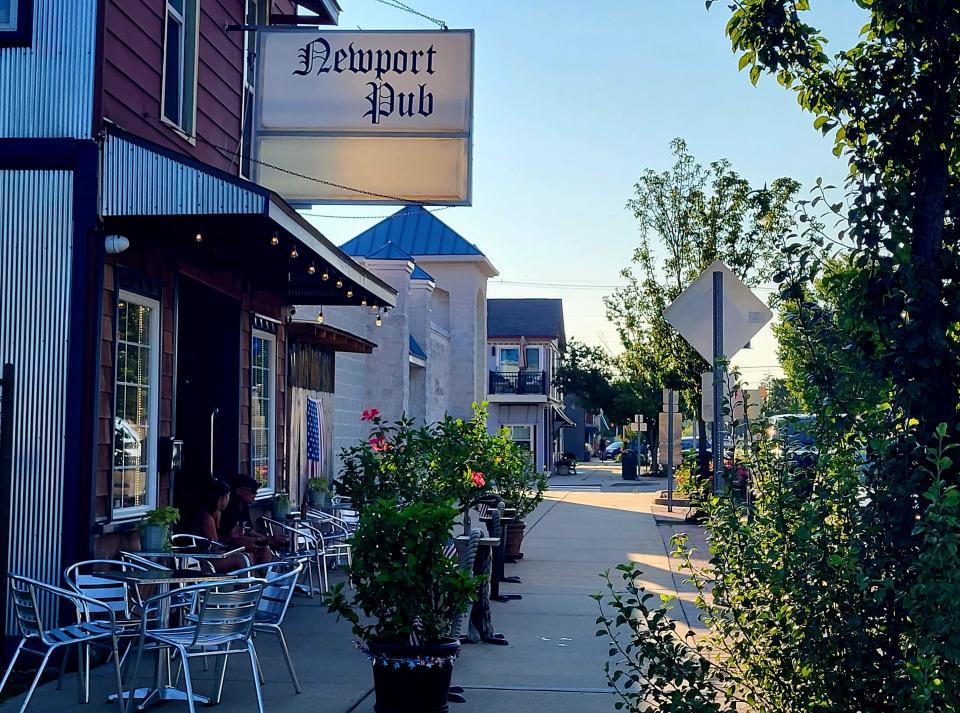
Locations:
{"points": [[323, 335], [564, 420], [142, 180]]}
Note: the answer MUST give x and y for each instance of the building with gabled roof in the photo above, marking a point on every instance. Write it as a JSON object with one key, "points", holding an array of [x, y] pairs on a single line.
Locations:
{"points": [[430, 359]]}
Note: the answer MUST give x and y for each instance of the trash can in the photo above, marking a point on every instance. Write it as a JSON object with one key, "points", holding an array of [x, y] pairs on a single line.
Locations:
{"points": [[628, 464]]}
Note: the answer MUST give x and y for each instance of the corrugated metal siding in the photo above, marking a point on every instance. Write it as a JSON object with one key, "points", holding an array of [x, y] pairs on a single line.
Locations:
{"points": [[138, 181], [46, 90], [36, 239]]}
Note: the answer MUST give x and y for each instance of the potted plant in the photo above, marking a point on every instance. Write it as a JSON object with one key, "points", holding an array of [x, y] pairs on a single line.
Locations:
{"points": [[281, 505], [520, 485], [407, 590], [317, 491], [155, 528]]}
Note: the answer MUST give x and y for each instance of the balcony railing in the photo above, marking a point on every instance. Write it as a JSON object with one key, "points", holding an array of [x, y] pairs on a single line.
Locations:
{"points": [[522, 383]]}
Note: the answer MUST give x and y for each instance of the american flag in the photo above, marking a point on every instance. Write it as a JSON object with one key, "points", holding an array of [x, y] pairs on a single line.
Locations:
{"points": [[314, 438], [451, 549]]}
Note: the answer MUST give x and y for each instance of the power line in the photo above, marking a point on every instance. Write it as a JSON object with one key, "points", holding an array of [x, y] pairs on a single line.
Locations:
{"points": [[396, 4]]}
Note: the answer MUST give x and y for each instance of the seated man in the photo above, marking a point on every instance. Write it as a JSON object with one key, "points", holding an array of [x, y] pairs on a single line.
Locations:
{"points": [[236, 527]]}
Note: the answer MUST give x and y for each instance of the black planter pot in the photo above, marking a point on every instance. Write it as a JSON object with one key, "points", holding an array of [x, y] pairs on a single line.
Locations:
{"points": [[421, 689]]}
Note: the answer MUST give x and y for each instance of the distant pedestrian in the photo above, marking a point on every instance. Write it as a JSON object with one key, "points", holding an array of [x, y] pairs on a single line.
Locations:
{"points": [[603, 450]]}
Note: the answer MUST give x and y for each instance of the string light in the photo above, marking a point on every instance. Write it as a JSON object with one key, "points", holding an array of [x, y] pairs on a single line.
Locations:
{"points": [[339, 284], [373, 307], [274, 240], [363, 302], [198, 238], [325, 276], [350, 292], [320, 316], [293, 253], [379, 321], [311, 270]]}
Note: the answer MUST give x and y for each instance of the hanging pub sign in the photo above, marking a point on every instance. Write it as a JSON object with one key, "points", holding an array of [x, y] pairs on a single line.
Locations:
{"points": [[377, 116]]}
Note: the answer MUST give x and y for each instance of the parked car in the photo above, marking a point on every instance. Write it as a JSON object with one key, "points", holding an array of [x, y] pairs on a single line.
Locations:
{"points": [[691, 443], [794, 433], [613, 450]]}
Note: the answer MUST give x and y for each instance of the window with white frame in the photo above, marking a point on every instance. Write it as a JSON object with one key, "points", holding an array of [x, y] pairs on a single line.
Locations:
{"points": [[522, 436], [256, 12], [263, 377], [179, 96], [15, 22], [136, 400]]}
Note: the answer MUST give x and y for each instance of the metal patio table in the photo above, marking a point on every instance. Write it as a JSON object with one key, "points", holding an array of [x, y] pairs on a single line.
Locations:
{"points": [[162, 689], [180, 556]]}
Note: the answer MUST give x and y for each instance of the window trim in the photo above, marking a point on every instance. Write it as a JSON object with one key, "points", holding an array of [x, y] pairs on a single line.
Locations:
{"points": [[271, 486], [153, 408], [191, 13], [20, 31]]}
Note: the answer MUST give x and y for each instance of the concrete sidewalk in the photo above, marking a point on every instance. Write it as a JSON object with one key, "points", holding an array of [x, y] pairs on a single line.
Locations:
{"points": [[554, 661]]}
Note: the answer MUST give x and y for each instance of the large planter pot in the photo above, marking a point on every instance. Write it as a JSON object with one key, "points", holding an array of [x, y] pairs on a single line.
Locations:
{"points": [[421, 688], [154, 538], [514, 539]]}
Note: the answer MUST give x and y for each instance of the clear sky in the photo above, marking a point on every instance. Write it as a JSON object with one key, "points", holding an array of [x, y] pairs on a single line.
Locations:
{"points": [[573, 100]]}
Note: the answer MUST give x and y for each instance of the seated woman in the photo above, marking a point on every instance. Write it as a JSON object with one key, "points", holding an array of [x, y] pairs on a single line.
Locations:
{"points": [[214, 499]]}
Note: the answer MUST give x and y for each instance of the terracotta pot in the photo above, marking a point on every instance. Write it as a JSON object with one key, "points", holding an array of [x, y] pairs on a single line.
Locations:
{"points": [[514, 540], [420, 689]]}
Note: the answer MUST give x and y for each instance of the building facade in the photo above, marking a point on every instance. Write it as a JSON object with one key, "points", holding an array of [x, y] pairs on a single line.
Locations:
{"points": [[147, 285], [524, 340], [430, 359]]}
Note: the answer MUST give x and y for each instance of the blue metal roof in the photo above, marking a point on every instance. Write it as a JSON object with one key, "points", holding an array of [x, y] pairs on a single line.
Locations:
{"points": [[389, 251], [416, 350], [420, 274], [414, 230]]}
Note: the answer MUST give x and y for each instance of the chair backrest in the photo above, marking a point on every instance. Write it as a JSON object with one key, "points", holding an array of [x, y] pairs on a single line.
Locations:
{"points": [[25, 607], [227, 611], [149, 564], [281, 583], [116, 595]]}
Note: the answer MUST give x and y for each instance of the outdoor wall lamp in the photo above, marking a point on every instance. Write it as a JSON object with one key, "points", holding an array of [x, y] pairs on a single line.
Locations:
{"points": [[115, 244]]}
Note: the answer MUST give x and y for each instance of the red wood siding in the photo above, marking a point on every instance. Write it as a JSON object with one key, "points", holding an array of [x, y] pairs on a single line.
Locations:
{"points": [[163, 265], [132, 76]]}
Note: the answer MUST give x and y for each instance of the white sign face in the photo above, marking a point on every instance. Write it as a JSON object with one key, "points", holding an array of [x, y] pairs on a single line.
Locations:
{"points": [[386, 115], [691, 314]]}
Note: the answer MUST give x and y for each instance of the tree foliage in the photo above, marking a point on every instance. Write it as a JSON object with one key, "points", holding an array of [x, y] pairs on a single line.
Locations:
{"points": [[689, 216], [837, 590]]}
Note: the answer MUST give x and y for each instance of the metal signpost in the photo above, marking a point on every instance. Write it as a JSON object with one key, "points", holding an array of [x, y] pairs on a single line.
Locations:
{"points": [[738, 315], [669, 439]]}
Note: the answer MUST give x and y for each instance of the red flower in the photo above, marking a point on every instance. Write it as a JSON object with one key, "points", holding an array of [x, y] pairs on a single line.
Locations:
{"points": [[369, 414], [378, 443], [478, 479]]}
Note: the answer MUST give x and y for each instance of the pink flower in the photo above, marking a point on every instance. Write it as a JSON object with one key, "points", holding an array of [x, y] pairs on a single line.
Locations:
{"points": [[369, 414], [478, 478], [378, 443]]}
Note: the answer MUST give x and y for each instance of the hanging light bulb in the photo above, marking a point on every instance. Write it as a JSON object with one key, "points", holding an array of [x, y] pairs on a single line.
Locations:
{"points": [[373, 307], [311, 270], [320, 316], [379, 321], [325, 276], [274, 241], [198, 238], [293, 253], [350, 292], [363, 302], [339, 284]]}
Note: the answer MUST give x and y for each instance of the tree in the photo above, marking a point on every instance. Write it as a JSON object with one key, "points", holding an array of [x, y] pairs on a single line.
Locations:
{"points": [[598, 383], [691, 215], [839, 592], [779, 398]]}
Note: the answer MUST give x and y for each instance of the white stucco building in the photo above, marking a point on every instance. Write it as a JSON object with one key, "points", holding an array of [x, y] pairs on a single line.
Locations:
{"points": [[430, 354]]}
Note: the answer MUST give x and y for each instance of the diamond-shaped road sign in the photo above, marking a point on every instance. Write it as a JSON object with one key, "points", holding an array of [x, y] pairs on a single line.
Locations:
{"points": [[691, 314]]}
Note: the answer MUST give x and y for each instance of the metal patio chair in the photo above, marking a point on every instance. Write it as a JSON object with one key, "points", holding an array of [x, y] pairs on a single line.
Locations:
{"points": [[306, 546], [41, 641], [125, 602], [281, 581], [225, 615], [335, 532]]}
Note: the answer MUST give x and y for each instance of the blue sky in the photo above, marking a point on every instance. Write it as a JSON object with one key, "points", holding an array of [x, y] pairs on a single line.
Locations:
{"points": [[572, 102]]}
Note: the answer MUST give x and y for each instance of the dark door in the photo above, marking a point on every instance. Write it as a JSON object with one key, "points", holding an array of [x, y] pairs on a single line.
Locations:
{"points": [[208, 387]]}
